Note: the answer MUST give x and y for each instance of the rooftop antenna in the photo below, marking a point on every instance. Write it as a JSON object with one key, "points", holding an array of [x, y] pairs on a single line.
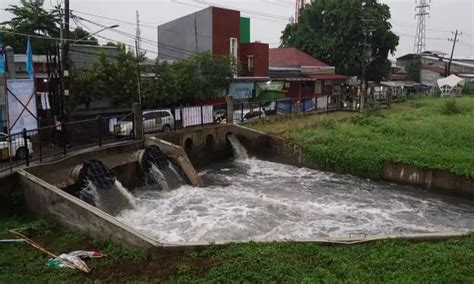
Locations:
{"points": [[299, 5], [138, 36], [422, 11]]}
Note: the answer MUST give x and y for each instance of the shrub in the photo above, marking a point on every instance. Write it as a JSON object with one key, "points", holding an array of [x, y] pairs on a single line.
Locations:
{"points": [[450, 107]]}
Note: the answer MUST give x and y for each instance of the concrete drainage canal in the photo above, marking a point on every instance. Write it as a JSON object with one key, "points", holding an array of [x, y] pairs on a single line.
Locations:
{"points": [[250, 199]]}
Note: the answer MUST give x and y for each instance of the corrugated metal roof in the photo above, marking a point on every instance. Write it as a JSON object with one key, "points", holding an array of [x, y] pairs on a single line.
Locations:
{"points": [[292, 57]]}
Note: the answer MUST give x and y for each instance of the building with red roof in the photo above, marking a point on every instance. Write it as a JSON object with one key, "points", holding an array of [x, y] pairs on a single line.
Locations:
{"points": [[304, 75]]}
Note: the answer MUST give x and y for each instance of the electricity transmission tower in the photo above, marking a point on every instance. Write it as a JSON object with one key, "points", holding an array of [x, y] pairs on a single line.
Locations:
{"points": [[422, 12]]}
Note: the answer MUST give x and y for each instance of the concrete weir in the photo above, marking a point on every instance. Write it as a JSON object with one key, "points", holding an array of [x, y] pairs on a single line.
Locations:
{"points": [[47, 186]]}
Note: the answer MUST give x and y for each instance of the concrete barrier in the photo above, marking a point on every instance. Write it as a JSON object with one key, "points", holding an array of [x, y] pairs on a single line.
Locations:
{"points": [[440, 180], [43, 199]]}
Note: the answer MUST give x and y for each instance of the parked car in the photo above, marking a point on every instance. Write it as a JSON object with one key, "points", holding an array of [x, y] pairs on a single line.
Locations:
{"points": [[220, 115], [153, 120], [16, 147]]}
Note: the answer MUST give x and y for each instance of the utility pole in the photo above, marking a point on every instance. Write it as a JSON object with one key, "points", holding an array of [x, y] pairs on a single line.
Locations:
{"points": [[366, 52], [138, 41], [455, 40], [64, 55], [66, 48], [137, 51], [422, 12]]}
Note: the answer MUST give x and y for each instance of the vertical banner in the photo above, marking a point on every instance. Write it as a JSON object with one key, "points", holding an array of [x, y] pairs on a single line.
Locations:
{"points": [[21, 99], [2, 58]]}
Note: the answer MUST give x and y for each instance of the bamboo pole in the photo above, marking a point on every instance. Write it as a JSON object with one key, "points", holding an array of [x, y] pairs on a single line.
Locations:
{"points": [[35, 245]]}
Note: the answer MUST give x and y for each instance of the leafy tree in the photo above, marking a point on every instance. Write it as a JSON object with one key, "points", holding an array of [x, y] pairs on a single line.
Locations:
{"points": [[414, 70], [332, 30], [203, 76], [32, 19], [114, 78]]}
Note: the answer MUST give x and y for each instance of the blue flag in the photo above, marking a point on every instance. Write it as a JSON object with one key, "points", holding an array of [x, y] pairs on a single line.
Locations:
{"points": [[29, 60], [2, 58]]}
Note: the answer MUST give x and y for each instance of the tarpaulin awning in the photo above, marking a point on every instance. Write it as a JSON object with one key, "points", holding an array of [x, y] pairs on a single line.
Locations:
{"points": [[448, 84], [241, 90], [451, 81]]}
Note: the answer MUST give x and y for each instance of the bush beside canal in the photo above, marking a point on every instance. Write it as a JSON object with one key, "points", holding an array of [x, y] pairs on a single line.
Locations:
{"points": [[434, 133]]}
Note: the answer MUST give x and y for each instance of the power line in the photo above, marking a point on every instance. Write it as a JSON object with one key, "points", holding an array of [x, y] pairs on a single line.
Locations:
{"points": [[151, 42], [42, 37]]}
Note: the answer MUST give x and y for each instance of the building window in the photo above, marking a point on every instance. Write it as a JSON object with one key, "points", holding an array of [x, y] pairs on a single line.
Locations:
{"points": [[250, 63], [234, 48], [317, 87]]}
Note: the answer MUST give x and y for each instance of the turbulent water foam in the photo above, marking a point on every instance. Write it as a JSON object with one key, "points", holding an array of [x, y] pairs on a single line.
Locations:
{"points": [[240, 152], [257, 200], [112, 200]]}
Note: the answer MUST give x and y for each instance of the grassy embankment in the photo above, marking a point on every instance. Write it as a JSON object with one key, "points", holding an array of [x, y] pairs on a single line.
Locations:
{"points": [[392, 261], [430, 133]]}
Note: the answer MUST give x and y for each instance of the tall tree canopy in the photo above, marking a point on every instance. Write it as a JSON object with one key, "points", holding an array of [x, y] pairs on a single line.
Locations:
{"points": [[332, 30], [32, 18], [202, 76]]}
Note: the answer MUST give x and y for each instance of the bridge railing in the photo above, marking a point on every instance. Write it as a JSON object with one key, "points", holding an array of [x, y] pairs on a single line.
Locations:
{"points": [[56, 141]]}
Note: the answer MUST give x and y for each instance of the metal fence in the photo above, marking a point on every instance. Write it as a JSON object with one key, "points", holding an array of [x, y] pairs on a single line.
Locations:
{"points": [[56, 141], [176, 118], [244, 111]]}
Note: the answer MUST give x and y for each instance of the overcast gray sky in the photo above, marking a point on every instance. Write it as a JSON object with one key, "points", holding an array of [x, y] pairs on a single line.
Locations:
{"points": [[269, 18]]}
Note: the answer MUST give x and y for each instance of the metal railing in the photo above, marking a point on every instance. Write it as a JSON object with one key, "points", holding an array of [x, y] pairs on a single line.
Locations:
{"points": [[46, 143], [175, 118]]}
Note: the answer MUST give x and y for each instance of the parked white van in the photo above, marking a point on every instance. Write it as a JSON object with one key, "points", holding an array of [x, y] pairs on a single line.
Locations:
{"points": [[153, 120]]}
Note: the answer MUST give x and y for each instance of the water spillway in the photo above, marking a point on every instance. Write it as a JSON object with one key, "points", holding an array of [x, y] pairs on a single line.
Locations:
{"points": [[100, 188], [160, 170], [250, 199]]}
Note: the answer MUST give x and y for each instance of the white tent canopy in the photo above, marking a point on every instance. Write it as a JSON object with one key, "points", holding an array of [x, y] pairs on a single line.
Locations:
{"points": [[450, 84]]}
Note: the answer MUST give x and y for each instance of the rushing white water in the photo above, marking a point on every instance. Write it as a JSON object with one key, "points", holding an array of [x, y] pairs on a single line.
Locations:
{"points": [[257, 200], [175, 172], [125, 193], [89, 190], [158, 177], [240, 152], [111, 200]]}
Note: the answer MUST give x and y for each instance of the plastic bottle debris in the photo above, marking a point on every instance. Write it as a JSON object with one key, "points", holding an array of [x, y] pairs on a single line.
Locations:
{"points": [[74, 257], [13, 241]]}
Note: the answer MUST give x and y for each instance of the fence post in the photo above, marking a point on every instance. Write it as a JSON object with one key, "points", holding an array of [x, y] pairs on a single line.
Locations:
{"points": [[202, 117], [40, 148], [291, 107], [304, 106], [241, 112], [64, 133], [276, 107], [260, 109], [174, 118], [137, 121], [25, 144], [99, 133], [229, 109]]}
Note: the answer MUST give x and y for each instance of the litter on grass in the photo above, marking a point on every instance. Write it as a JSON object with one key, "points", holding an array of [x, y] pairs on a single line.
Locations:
{"points": [[75, 257]]}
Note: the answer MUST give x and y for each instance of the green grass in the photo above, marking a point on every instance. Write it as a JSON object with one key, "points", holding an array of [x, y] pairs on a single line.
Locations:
{"points": [[429, 133], [383, 261]]}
